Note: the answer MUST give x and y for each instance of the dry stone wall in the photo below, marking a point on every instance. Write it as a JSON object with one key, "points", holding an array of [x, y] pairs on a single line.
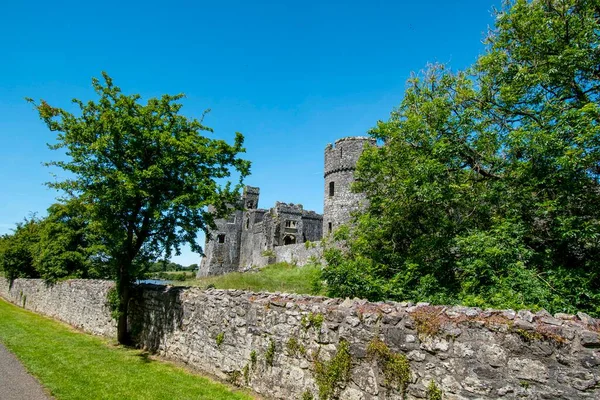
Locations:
{"points": [[78, 302], [283, 345]]}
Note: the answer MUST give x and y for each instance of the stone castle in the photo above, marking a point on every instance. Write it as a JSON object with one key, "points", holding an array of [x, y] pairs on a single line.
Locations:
{"points": [[252, 236]]}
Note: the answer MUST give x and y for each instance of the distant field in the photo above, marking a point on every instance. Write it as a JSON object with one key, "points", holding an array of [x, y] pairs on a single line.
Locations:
{"points": [[281, 277], [74, 366]]}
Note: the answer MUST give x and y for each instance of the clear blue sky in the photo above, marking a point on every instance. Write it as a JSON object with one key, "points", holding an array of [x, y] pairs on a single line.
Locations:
{"points": [[291, 76]]}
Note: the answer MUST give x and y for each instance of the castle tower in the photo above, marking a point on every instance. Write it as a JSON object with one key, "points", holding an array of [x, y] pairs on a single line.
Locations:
{"points": [[340, 164]]}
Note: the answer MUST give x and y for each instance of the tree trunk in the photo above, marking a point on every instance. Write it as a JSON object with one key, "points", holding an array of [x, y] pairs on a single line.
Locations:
{"points": [[123, 289]]}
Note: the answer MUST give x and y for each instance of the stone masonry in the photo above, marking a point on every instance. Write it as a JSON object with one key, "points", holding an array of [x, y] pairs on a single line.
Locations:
{"points": [[254, 237], [273, 343]]}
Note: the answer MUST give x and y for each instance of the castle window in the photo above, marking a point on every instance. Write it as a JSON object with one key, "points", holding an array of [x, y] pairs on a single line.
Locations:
{"points": [[330, 227], [247, 223], [331, 189], [249, 204], [289, 239], [221, 238], [290, 224]]}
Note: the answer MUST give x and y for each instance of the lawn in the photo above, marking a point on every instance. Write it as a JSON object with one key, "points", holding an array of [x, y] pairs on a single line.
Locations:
{"points": [[73, 365], [281, 277]]}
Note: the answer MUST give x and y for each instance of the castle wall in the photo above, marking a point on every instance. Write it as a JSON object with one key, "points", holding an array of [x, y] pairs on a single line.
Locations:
{"points": [[312, 226], [299, 254], [340, 164], [223, 257], [468, 353]]}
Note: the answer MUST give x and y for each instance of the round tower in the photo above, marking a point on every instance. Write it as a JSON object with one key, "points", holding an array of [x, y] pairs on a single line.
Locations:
{"points": [[340, 164]]}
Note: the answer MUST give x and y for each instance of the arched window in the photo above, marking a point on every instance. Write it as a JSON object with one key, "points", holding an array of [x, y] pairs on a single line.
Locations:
{"points": [[331, 189]]}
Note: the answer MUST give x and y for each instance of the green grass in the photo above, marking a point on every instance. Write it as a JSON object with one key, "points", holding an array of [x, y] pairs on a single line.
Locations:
{"points": [[281, 277], [73, 365]]}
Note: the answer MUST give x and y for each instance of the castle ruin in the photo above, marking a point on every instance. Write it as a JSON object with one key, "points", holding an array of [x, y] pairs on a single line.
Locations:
{"points": [[252, 236]]}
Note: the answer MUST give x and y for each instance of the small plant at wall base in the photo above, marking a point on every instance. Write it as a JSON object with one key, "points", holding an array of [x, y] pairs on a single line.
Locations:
{"points": [[246, 373], [234, 378], [331, 376], [268, 253], [253, 359], [433, 391], [395, 367]]}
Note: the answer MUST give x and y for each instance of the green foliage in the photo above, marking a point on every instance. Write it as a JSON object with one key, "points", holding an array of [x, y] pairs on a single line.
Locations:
{"points": [[144, 176], [294, 347], [433, 391], [268, 253], [312, 320], [485, 190], [53, 353], [270, 353], [16, 250], [246, 372], [331, 376], [219, 338], [61, 245], [307, 395], [112, 300], [253, 359], [395, 367], [69, 246]]}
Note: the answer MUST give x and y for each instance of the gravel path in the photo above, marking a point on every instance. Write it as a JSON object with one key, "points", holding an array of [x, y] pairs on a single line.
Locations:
{"points": [[15, 382]]}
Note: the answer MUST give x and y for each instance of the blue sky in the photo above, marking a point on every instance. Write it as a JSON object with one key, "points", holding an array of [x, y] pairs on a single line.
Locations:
{"points": [[291, 76]]}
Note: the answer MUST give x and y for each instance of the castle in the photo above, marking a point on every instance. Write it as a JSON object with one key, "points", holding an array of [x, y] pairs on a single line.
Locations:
{"points": [[252, 236]]}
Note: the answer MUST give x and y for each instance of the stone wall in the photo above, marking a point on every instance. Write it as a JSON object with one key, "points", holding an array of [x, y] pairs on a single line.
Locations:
{"points": [[78, 302], [276, 344], [299, 254]]}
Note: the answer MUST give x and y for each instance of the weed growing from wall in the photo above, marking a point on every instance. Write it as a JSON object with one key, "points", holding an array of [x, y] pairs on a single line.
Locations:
{"points": [[270, 353], [314, 320], [219, 339], [433, 391], [294, 347], [331, 376], [395, 367]]}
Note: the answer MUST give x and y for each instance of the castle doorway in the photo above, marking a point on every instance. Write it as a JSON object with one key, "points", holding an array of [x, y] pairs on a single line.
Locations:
{"points": [[289, 239]]}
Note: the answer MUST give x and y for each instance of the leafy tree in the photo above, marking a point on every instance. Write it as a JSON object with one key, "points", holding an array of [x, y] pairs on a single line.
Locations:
{"points": [[16, 255], [486, 189], [68, 246], [145, 175]]}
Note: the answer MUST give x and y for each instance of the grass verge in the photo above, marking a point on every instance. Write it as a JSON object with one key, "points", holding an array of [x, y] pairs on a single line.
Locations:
{"points": [[280, 277], [73, 365]]}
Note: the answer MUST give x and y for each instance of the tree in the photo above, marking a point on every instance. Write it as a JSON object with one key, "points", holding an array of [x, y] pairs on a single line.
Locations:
{"points": [[485, 191], [144, 174], [16, 250], [68, 246]]}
